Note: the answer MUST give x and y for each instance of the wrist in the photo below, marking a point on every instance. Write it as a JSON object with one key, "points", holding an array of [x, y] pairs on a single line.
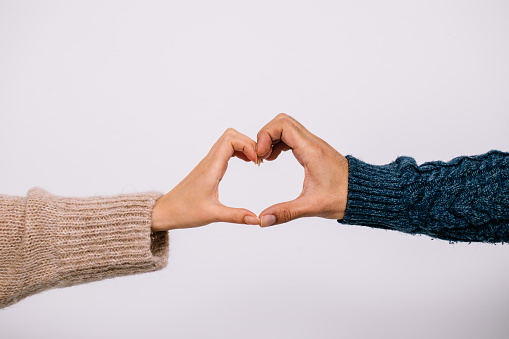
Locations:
{"points": [[343, 189], [158, 217]]}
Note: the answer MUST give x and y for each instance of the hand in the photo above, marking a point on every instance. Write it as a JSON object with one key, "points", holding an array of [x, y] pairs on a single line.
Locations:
{"points": [[325, 188], [194, 201]]}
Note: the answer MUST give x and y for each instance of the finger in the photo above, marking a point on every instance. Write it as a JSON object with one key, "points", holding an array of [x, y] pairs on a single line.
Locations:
{"points": [[277, 149], [232, 141], [241, 155], [281, 128], [284, 212], [235, 215]]}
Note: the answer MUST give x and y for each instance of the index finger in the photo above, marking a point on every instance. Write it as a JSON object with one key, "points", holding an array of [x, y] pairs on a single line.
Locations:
{"points": [[233, 143], [282, 128]]}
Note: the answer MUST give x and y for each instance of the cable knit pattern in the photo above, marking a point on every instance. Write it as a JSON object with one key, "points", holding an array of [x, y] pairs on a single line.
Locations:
{"points": [[48, 241], [466, 199]]}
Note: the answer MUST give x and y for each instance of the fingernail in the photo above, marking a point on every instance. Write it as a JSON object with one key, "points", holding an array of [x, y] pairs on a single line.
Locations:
{"points": [[250, 220], [267, 220]]}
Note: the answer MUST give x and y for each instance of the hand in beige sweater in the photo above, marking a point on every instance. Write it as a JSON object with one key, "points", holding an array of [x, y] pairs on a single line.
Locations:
{"points": [[48, 241]]}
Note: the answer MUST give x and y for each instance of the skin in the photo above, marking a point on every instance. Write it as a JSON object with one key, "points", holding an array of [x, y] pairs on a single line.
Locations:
{"points": [[194, 201], [325, 188]]}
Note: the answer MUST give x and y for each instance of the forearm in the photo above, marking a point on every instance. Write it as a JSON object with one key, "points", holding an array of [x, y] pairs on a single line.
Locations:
{"points": [[50, 241], [466, 199]]}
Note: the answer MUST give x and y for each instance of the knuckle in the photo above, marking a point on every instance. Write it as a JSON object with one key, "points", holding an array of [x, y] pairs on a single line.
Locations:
{"points": [[286, 120], [285, 215], [230, 132]]}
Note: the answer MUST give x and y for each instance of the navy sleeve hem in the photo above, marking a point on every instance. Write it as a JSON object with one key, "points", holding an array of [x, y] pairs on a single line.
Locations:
{"points": [[374, 196]]}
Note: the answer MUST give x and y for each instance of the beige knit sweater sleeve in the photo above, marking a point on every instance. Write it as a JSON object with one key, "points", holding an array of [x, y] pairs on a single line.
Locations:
{"points": [[48, 241]]}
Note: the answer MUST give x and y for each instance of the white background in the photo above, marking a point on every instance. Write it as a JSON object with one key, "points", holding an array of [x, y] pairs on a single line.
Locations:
{"points": [[106, 97]]}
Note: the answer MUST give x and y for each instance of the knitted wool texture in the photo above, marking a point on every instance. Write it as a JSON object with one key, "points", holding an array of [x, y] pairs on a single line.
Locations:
{"points": [[466, 199], [48, 241]]}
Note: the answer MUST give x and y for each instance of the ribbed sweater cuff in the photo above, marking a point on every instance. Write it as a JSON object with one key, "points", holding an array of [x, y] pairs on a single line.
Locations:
{"points": [[87, 239], [374, 196]]}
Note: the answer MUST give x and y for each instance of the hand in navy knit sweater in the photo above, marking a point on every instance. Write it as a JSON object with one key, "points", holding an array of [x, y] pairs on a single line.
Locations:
{"points": [[466, 199]]}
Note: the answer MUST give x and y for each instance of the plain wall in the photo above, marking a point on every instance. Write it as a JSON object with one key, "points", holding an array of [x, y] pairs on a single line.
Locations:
{"points": [[109, 97]]}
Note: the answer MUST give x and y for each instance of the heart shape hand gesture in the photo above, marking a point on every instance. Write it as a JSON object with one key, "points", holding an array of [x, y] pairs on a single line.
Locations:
{"points": [[194, 201]]}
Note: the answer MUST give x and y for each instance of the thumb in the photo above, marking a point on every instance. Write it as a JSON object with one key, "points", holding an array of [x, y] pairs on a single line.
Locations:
{"points": [[284, 212], [236, 215]]}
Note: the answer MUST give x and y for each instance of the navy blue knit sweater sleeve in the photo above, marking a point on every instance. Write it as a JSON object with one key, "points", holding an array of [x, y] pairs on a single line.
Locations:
{"points": [[466, 199]]}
